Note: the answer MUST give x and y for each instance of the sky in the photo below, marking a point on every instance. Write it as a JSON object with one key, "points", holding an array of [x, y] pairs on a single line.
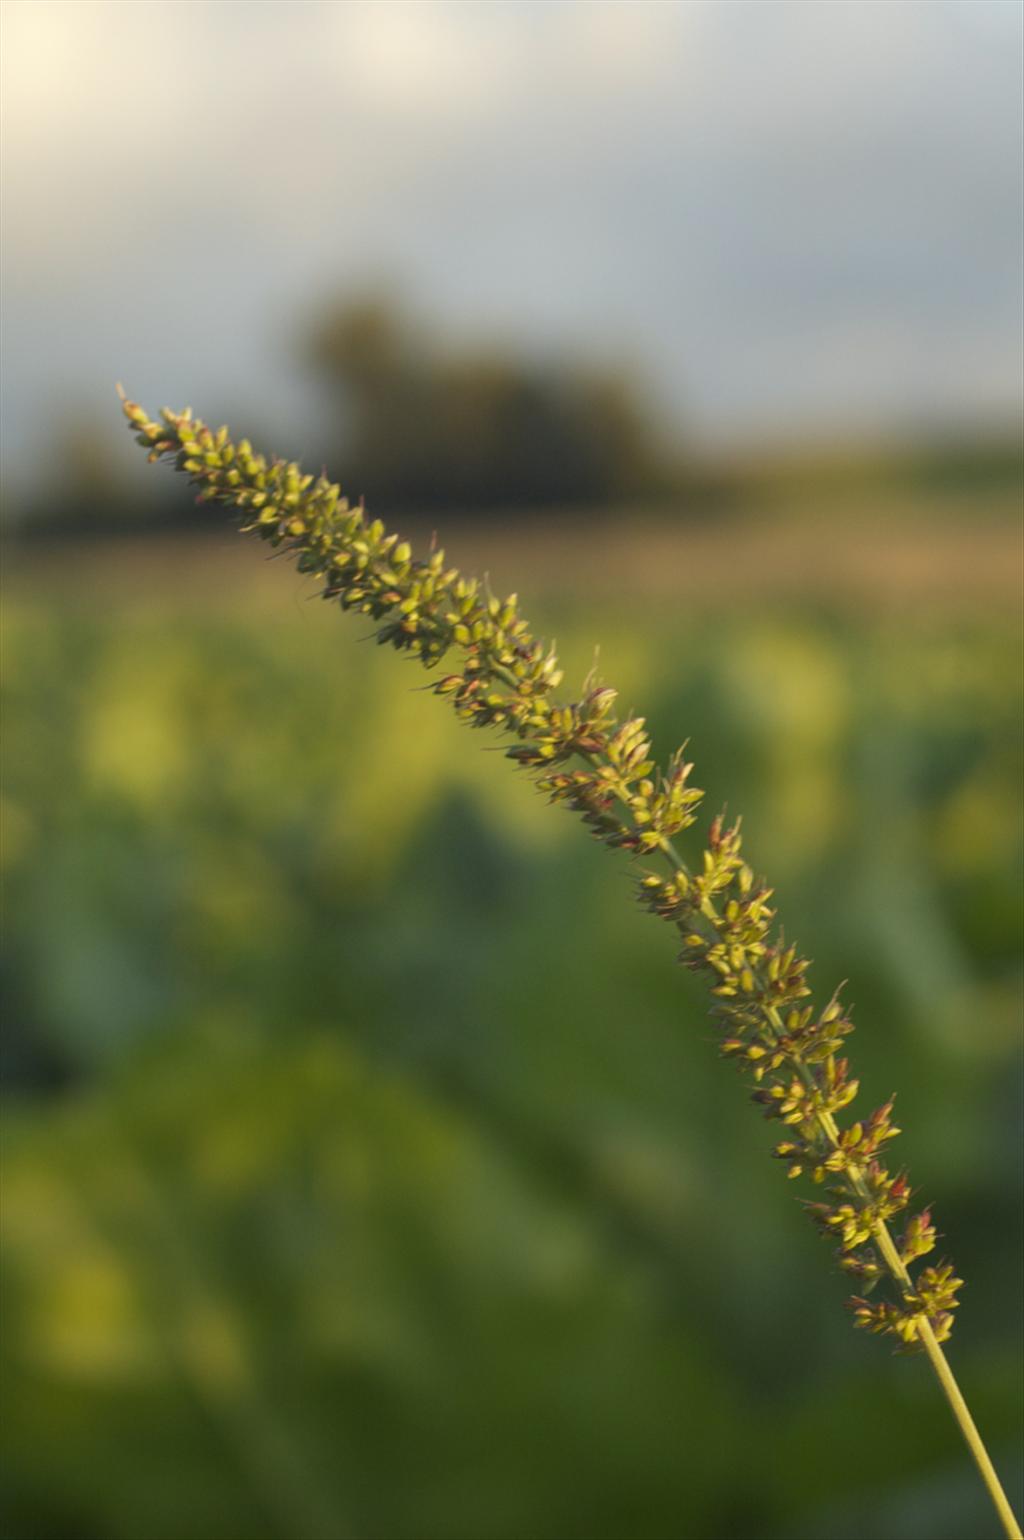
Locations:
{"points": [[794, 218]]}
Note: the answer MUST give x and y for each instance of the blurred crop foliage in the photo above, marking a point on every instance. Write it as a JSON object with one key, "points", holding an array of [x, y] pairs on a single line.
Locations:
{"points": [[369, 1169]]}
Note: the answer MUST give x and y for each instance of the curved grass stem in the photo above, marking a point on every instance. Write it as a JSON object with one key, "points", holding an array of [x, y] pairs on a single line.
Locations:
{"points": [[961, 1412], [936, 1357], [503, 678]]}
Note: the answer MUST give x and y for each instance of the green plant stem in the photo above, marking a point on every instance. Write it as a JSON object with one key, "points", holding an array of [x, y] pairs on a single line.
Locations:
{"points": [[939, 1361], [958, 1405], [970, 1432]]}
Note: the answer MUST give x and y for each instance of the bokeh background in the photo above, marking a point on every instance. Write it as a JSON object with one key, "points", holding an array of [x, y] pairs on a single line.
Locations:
{"points": [[369, 1173]]}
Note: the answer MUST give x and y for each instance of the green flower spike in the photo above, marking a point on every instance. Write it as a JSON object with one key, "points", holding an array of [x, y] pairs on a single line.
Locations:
{"points": [[582, 755]]}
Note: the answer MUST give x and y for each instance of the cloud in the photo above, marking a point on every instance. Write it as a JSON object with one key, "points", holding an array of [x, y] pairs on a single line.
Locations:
{"points": [[801, 215]]}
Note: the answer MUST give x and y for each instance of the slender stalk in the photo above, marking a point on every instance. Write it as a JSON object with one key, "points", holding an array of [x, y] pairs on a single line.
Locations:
{"points": [[968, 1428], [939, 1362]]}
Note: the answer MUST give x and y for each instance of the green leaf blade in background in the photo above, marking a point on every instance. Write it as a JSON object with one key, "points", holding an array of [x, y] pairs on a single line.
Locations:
{"points": [[368, 1168]]}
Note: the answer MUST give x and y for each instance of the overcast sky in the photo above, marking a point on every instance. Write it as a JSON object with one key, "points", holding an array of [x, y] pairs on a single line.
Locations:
{"points": [[797, 216]]}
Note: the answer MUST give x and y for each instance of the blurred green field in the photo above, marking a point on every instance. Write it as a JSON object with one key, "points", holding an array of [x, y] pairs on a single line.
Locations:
{"points": [[369, 1172]]}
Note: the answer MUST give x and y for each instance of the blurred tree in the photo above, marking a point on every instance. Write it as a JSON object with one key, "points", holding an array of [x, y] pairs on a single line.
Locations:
{"points": [[475, 430], [82, 486], [86, 486]]}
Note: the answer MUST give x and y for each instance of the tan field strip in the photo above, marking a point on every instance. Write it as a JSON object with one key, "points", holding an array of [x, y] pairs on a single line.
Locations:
{"points": [[867, 561]]}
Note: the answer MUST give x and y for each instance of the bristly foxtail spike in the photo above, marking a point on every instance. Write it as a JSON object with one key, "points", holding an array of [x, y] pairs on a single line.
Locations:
{"points": [[603, 769], [506, 681]]}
